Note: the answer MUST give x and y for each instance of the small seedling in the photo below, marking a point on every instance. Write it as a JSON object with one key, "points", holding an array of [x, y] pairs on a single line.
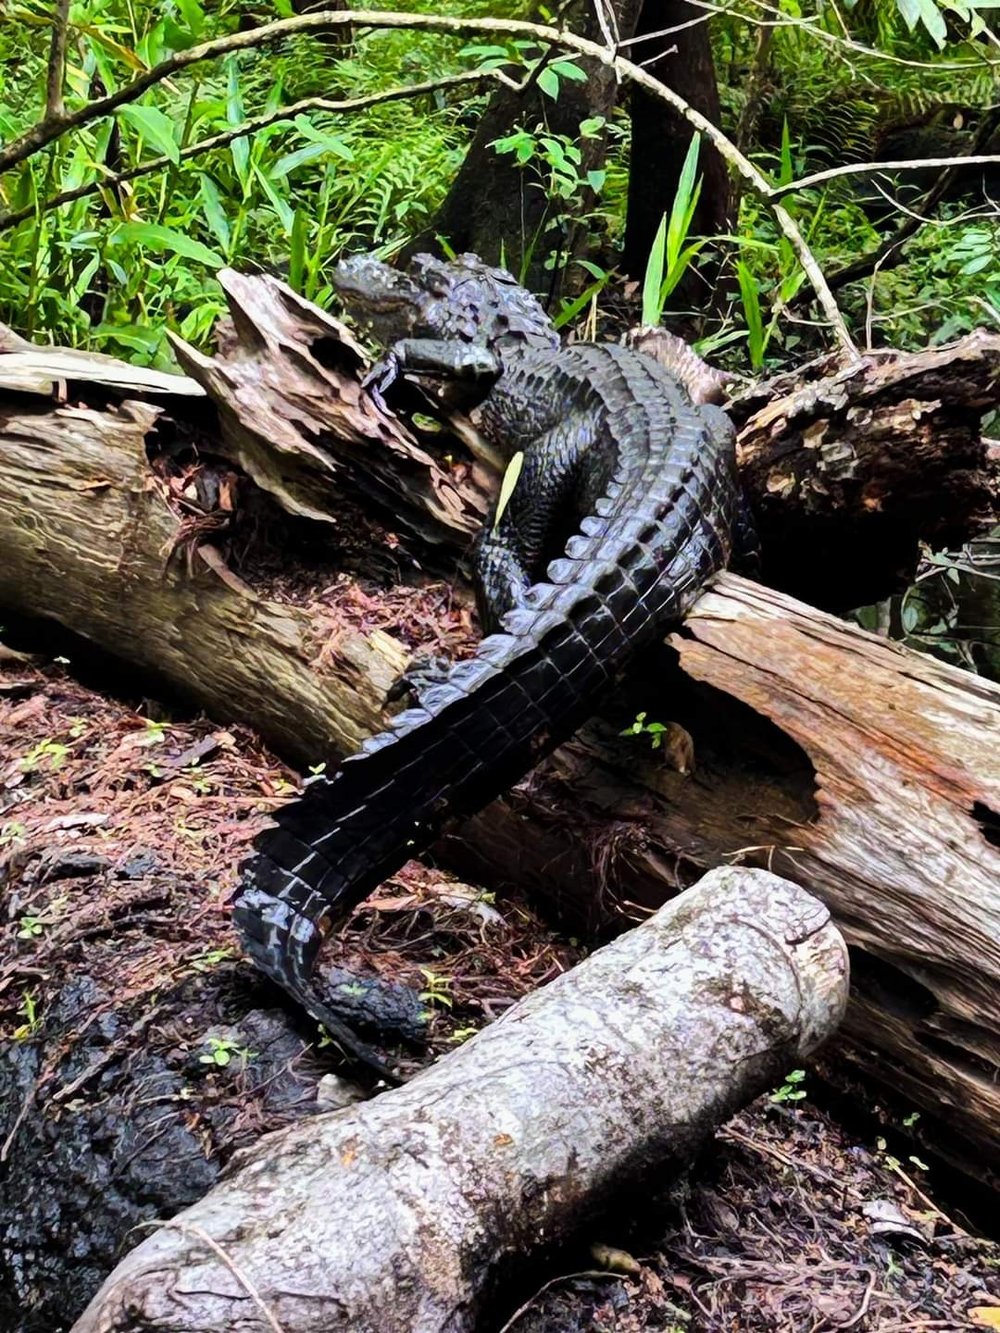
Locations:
{"points": [[49, 751], [155, 733], [28, 1009], [221, 1051], [210, 958], [462, 1034], [790, 1091], [640, 727], [12, 833], [437, 989], [31, 927]]}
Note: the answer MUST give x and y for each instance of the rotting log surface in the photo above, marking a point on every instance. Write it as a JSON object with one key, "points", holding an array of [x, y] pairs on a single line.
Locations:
{"points": [[404, 1214], [868, 772]]}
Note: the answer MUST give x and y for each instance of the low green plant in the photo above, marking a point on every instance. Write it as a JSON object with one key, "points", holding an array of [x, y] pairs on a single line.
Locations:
{"points": [[203, 962], [558, 162], [791, 1090], [436, 990], [31, 927], [223, 1050], [48, 752], [640, 727], [672, 253], [29, 1011], [13, 833]]}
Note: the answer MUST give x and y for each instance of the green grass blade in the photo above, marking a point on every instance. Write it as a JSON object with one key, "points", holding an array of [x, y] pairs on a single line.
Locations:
{"points": [[652, 306]]}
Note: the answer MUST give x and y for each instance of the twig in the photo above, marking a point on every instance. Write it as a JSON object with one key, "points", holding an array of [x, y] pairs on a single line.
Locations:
{"points": [[866, 1300], [876, 168], [55, 109], [26, 1105], [189, 1229], [111, 180], [562, 1277], [46, 132], [890, 252]]}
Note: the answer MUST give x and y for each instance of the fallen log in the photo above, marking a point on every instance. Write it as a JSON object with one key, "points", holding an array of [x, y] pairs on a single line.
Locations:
{"points": [[409, 1212], [804, 730], [868, 772]]}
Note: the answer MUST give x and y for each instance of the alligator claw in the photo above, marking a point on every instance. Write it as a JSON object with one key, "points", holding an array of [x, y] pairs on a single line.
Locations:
{"points": [[381, 378], [425, 670]]}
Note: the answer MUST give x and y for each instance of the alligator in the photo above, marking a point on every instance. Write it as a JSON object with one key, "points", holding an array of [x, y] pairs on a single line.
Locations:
{"points": [[624, 506]]}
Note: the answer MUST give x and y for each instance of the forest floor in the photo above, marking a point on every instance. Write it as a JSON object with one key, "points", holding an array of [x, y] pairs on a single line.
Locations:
{"points": [[138, 1051]]}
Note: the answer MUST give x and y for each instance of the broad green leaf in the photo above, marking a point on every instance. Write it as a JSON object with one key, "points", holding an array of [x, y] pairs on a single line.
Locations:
{"points": [[214, 212], [281, 206], [193, 15], [910, 12], [165, 240], [933, 21], [573, 308], [155, 127], [100, 35], [566, 69], [678, 268], [685, 202], [287, 164], [239, 148], [787, 172], [751, 313], [330, 142], [548, 81], [297, 250]]}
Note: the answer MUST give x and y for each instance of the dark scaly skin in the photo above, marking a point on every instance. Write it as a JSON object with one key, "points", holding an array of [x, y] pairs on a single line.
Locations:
{"points": [[614, 451]]}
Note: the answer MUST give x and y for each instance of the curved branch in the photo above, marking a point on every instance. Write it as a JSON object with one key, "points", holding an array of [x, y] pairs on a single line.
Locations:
{"points": [[51, 129], [248, 127], [876, 168]]}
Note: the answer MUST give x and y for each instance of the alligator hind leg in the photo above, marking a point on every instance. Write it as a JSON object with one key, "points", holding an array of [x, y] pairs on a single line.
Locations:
{"points": [[543, 512]]}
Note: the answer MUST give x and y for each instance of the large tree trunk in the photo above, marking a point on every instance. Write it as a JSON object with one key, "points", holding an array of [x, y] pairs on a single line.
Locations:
{"points": [[406, 1214], [660, 137], [503, 211], [868, 772]]}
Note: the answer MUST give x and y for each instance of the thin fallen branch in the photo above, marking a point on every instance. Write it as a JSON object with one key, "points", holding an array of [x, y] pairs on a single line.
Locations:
{"points": [[877, 168], [49, 130], [414, 1211]]}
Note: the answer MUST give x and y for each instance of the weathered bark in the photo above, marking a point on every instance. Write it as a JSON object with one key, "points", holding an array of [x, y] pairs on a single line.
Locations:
{"points": [[660, 137], [869, 772], [849, 471], [405, 1214], [872, 770]]}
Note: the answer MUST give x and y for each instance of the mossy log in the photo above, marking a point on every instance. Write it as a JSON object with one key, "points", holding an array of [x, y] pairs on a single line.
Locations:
{"points": [[416, 1211], [866, 771]]}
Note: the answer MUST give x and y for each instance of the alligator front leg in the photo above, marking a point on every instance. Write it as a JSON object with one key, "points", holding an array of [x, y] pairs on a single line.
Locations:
{"points": [[466, 364]]}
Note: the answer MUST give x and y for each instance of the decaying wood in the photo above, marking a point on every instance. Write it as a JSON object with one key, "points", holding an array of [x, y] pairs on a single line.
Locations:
{"points": [[405, 1214], [850, 469], [294, 417], [868, 772]]}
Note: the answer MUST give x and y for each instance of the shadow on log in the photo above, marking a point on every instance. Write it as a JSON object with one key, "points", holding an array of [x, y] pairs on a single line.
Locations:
{"points": [[405, 1214]]}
